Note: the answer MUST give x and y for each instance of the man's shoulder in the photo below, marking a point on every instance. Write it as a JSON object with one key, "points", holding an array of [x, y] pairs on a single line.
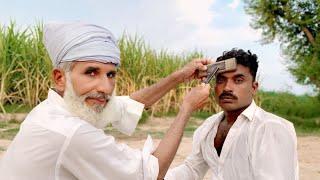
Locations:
{"points": [[52, 118], [268, 120], [264, 117], [87, 137]]}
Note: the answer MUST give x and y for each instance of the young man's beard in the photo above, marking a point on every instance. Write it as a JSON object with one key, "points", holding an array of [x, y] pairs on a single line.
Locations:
{"points": [[94, 114]]}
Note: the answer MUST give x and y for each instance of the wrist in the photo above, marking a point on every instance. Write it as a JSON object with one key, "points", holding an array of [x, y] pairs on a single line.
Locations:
{"points": [[178, 76], [186, 109]]}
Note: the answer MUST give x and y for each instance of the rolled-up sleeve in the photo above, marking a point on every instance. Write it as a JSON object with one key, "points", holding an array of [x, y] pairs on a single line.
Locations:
{"points": [[123, 113], [93, 155], [131, 112], [274, 153]]}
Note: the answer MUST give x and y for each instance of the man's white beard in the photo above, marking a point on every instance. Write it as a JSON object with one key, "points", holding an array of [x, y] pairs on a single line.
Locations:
{"points": [[95, 115]]}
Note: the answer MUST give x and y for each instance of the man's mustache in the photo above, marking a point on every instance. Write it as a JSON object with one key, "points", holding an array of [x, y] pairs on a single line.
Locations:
{"points": [[227, 95]]}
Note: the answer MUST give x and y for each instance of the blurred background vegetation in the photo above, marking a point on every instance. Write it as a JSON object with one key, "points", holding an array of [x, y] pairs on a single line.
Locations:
{"points": [[25, 79]]}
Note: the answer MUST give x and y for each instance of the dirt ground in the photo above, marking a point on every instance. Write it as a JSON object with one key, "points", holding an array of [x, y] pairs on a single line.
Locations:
{"points": [[308, 147]]}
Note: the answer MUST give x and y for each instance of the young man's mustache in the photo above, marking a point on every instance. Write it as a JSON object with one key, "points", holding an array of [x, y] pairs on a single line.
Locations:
{"points": [[227, 95]]}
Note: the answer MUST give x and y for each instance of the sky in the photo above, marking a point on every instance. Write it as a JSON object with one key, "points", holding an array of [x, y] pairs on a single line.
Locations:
{"points": [[178, 26]]}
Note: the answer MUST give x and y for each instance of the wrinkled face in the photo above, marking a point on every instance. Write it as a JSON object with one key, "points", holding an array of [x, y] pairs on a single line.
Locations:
{"points": [[234, 90], [94, 81]]}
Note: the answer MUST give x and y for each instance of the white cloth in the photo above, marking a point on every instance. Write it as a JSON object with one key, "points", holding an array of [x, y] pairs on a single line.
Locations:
{"points": [[81, 42], [259, 146], [54, 145]]}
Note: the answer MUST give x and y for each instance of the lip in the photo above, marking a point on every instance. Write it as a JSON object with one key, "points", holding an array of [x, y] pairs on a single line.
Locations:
{"points": [[101, 101], [227, 99]]}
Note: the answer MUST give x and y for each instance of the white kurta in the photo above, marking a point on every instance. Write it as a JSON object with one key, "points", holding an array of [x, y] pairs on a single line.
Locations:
{"points": [[52, 144], [259, 146]]}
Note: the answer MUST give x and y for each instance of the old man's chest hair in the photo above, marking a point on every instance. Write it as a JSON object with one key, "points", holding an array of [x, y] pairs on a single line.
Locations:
{"points": [[221, 135]]}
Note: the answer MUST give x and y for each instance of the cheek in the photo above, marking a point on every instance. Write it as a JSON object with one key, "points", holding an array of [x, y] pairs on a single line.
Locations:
{"points": [[245, 93], [81, 86]]}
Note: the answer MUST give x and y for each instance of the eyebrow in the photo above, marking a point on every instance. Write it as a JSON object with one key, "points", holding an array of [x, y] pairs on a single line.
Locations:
{"points": [[235, 76], [112, 71], [239, 75], [92, 68]]}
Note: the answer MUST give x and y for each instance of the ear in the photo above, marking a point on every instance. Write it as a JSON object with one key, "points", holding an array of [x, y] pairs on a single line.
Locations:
{"points": [[59, 79], [255, 86]]}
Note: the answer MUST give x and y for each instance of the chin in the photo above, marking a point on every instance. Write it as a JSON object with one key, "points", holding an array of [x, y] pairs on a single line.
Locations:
{"points": [[98, 108], [229, 107]]}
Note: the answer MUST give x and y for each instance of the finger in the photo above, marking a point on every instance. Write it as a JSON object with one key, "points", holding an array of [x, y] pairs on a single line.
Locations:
{"points": [[203, 61], [202, 104], [200, 66], [207, 61], [211, 60], [202, 74], [207, 86]]}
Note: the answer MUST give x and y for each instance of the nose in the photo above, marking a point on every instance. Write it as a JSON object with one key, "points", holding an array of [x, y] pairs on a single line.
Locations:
{"points": [[228, 86], [106, 85]]}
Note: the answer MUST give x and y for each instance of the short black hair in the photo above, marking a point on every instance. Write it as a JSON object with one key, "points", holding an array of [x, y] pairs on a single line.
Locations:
{"points": [[244, 58]]}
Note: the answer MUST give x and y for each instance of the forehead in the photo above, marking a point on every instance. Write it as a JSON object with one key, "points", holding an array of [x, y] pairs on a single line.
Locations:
{"points": [[240, 70], [93, 64]]}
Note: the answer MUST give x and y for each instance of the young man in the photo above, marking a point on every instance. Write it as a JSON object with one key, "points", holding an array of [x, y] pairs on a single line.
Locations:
{"points": [[62, 137], [243, 141]]}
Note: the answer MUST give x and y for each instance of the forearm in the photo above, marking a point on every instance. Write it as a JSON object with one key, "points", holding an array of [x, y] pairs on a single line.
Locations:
{"points": [[167, 148], [149, 95]]}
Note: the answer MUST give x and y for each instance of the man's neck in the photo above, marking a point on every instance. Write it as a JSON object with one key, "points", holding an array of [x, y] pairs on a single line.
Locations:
{"points": [[231, 116]]}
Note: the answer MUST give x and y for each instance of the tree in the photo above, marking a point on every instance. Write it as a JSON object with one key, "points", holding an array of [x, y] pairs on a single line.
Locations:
{"points": [[296, 24]]}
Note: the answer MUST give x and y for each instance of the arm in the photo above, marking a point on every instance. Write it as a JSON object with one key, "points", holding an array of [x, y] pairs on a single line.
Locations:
{"points": [[194, 166], [148, 96], [91, 154], [167, 148]]}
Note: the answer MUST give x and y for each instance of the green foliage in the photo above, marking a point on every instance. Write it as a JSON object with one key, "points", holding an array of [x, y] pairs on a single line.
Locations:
{"points": [[16, 108], [287, 104], [24, 66], [296, 23], [305, 126], [142, 66], [8, 129], [144, 117]]}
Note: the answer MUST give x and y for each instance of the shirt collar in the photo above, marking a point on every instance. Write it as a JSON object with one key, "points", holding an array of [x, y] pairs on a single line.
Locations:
{"points": [[250, 111], [56, 98]]}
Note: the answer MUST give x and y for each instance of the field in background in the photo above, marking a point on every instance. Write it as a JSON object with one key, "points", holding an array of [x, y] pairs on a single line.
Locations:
{"points": [[25, 79]]}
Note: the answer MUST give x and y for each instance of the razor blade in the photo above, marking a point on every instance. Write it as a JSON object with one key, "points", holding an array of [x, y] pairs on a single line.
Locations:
{"points": [[220, 67]]}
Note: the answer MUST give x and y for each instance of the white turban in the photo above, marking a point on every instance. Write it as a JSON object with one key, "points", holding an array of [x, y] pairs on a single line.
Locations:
{"points": [[78, 41]]}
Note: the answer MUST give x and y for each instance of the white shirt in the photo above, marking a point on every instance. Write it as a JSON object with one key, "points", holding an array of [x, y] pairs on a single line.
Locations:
{"points": [[259, 146], [52, 144]]}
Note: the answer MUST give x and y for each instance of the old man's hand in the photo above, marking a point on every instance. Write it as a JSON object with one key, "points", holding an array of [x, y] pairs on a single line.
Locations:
{"points": [[196, 98], [196, 69]]}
